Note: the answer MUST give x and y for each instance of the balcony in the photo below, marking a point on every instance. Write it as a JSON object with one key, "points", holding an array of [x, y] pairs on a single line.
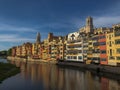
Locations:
{"points": [[96, 44], [74, 41], [112, 58]]}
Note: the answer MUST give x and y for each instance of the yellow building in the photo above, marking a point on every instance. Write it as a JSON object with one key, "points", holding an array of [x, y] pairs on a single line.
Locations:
{"points": [[45, 54], [102, 29], [36, 47], [54, 49], [116, 44], [110, 40], [18, 51], [95, 49], [90, 48], [24, 51], [35, 50]]}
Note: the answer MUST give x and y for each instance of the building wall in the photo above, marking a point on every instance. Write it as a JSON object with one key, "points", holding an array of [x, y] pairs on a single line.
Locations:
{"points": [[110, 48], [74, 47], [103, 52], [95, 49], [116, 47], [13, 51]]}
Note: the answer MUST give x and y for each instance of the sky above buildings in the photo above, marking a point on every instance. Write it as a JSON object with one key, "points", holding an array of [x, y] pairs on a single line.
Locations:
{"points": [[20, 20]]}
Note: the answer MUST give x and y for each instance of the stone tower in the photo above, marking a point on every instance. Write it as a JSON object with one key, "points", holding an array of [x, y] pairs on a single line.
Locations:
{"points": [[50, 36], [89, 25], [38, 38]]}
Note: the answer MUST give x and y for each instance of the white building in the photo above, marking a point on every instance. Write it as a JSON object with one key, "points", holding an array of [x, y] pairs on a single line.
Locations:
{"points": [[74, 47]]}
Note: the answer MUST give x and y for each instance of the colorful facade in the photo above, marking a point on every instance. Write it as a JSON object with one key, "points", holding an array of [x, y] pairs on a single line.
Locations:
{"points": [[88, 45], [95, 49], [103, 49], [74, 47], [110, 48], [116, 43]]}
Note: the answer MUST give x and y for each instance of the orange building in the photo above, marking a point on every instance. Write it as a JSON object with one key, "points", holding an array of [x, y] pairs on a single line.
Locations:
{"points": [[102, 47]]}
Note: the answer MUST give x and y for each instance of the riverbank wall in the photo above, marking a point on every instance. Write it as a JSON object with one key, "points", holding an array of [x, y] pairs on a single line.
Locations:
{"points": [[78, 65], [93, 67], [31, 60]]}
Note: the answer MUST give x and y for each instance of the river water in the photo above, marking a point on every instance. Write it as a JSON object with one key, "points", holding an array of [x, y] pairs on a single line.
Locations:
{"points": [[43, 76]]}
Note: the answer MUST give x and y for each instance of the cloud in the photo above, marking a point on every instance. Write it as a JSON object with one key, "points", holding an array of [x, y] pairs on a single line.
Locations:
{"points": [[7, 27], [14, 38], [106, 21]]}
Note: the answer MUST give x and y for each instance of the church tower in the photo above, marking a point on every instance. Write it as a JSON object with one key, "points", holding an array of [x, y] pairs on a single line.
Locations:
{"points": [[38, 38], [89, 25]]}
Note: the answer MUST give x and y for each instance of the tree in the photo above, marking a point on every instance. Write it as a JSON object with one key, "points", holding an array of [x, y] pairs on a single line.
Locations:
{"points": [[9, 52], [3, 53]]}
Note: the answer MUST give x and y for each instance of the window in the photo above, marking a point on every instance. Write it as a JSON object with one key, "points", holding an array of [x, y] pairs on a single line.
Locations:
{"points": [[74, 57], [117, 33], [103, 51], [85, 51], [90, 43], [68, 57], [110, 44], [117, 41], [118, 58], [110, 52], [118, 50], [110, 37], [79, 57], [79, 51], [102, 59], [60, 52], [102, 37], [112, 58], [102, 43]]}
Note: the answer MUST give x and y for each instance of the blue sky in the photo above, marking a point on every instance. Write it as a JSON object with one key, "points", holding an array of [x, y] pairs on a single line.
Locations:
{"points": [[20, 20]]}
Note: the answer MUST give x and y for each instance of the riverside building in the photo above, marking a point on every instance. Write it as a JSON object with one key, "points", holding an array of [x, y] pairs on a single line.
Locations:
{"points": [[74, 47]]}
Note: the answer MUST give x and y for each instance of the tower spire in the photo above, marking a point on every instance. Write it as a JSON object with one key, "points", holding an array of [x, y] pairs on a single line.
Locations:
{"points": [[38, 38]]}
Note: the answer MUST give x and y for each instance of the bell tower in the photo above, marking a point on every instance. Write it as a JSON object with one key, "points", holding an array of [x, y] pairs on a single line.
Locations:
{"points": [[89, 25]]}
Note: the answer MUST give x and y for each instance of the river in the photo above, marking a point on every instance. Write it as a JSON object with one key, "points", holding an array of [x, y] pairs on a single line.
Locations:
{"points": [[43, 76]]}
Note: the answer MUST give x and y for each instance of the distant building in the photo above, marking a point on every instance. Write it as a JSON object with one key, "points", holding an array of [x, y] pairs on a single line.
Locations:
{"points": [[19, 51], [14, 51], [36, 47]]}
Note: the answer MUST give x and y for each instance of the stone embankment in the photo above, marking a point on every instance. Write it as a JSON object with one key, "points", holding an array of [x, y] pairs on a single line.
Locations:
{"points": [[93, 67], [31, 60]]}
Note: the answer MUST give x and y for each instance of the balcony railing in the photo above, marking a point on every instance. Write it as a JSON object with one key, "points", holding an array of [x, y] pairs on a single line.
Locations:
{"points": [[73, 41], [96, 44]]}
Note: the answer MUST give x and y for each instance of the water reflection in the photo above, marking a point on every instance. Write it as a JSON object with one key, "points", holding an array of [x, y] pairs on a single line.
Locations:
{"points": [[3, 60], [56, 78]]}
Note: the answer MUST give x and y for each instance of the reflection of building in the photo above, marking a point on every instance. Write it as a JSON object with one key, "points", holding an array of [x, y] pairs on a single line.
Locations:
{"points": [[104, 84], [114, 85]]}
